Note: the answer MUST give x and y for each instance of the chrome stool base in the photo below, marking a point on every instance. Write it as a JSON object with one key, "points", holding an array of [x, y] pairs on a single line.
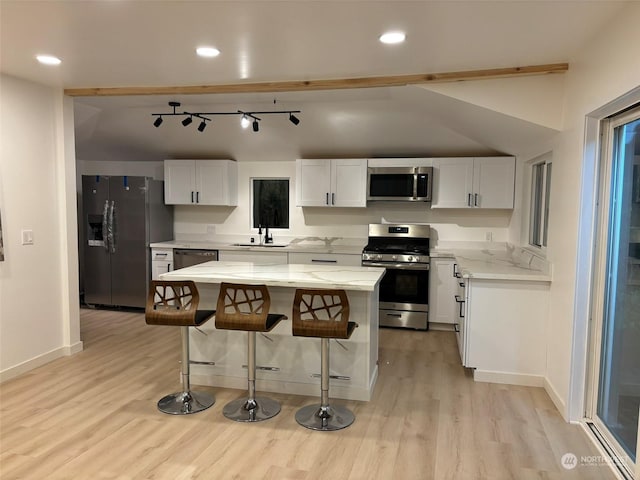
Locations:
{"points": [[185, 403], [244, 410], [329, 418]]}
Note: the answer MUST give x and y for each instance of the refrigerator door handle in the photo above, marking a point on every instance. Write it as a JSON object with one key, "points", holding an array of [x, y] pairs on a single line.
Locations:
{"points": [[105, 225], [110, 234]]}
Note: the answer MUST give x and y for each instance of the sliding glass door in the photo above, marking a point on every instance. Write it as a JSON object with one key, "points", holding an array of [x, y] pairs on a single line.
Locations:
{"points": [[616, 346]]}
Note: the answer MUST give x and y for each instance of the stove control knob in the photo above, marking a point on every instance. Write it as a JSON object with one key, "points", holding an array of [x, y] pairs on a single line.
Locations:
{"points": [[394, 257], [410, 259], [378, 257]]}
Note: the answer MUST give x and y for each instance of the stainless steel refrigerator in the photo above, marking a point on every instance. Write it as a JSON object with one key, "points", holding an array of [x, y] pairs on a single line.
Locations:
{"points": [[121, 216]]}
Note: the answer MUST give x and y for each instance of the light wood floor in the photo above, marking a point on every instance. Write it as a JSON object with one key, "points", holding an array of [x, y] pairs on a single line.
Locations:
{"points": [[93, 416]]}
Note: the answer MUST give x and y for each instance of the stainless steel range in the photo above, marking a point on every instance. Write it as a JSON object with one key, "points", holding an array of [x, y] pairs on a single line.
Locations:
{"points": [[403, 249]]}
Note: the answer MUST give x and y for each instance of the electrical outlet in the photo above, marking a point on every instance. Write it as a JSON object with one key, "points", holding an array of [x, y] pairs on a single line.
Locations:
{"points": [[488, 236], [27, 237]]}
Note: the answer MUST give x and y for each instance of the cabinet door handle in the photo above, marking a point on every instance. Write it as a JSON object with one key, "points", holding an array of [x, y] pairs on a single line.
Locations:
{"points": [[468, 200], [168, 267], [456, 327], [318, 260], [475, 200], [333, 199], [455, 267], [197, 197], [191, 196], [327, 199]]}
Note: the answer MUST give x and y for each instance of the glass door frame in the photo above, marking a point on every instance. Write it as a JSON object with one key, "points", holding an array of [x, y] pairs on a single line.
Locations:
{"points": [[599, 280]]}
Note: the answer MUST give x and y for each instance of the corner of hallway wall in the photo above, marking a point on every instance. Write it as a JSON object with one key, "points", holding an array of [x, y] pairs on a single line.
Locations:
{"points": [[32, 280]]}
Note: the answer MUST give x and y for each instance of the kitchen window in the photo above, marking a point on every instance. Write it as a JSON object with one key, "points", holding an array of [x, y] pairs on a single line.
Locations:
{"points": [[539, 206], [270, 202]]}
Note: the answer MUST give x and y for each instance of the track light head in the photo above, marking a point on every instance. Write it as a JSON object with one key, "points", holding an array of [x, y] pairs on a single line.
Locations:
{"points": [[157, 122], [256, 126], [187, 121], [244, 122], [293, 119], [202, 126]]}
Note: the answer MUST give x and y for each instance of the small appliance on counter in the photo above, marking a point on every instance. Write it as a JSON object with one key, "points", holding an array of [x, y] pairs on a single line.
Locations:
{"points": [[403, 249], [121, 216]]}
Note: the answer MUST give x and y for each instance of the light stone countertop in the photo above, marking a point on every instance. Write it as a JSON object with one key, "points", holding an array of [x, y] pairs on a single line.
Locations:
{"points": [[278, 275], [506, 263], [290, 247]]}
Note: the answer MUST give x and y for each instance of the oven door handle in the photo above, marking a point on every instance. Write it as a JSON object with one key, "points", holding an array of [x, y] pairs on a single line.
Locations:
{"points": [[398, 266]]}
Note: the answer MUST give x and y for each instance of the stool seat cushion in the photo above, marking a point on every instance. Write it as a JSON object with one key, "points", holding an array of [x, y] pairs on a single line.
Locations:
{"points": [[204, 315], [236, 322]]}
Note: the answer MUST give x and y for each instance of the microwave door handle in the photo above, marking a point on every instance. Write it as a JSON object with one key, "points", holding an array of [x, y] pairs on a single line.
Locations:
{"points": [[415, 183]]}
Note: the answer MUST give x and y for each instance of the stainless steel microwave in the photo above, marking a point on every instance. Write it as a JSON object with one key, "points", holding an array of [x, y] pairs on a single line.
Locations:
{"points": [[406, 184]]}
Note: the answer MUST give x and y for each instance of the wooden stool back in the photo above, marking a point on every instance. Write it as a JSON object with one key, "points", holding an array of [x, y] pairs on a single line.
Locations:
{"points": [[173, 303], [321, 313], [245, 307]]}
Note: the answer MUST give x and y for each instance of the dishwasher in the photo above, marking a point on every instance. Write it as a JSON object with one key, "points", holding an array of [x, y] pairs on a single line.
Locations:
{"points": [[185, 257]]}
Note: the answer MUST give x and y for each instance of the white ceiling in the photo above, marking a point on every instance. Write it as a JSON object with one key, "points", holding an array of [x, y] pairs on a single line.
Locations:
{"points": [[115, 43]]}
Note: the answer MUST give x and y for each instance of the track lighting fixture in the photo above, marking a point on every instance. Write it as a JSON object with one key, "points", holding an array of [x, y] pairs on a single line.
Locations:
{"points": [[247, 118]]}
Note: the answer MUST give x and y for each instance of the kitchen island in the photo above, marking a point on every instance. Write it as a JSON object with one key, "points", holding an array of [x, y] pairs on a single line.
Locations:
{"points": [[287, 364]]}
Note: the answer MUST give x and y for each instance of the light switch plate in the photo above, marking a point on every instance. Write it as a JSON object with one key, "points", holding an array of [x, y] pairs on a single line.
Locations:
{"points": [[27, 237]]}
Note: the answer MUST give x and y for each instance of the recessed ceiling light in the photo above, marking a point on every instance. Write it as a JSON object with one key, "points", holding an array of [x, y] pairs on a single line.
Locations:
{"points": [[48, 60], [392, 37], [207, 52]]}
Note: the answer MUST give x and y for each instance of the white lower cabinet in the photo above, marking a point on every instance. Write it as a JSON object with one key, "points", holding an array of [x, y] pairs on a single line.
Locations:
{"points": [[280, 258], [503, 330], [161, 262], [443, 286], [354, 260]]}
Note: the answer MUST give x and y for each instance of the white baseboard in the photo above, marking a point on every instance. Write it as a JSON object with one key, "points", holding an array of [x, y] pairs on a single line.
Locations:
{"points": [[555, 398], [28, 365], [526, 380]]}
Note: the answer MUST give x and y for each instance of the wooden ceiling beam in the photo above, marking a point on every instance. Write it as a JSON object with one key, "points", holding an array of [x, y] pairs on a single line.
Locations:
{"points": [[335, 84]]}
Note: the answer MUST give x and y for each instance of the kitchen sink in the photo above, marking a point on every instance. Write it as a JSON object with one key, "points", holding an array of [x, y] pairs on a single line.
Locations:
{"points": [[266, 245]]}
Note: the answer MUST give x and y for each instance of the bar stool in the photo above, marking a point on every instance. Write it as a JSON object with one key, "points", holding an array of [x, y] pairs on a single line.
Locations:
{"points": [[323, 314], [246, 307], [175, 303]]}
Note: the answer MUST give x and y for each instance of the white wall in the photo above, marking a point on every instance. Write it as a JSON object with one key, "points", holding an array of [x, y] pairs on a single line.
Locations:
{"points": [[37, 322], [603, 70]]}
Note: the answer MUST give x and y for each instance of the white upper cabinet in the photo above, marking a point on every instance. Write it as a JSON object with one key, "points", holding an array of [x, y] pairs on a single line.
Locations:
{"points": [[331, 183], [200, 182], [481, 182]]}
